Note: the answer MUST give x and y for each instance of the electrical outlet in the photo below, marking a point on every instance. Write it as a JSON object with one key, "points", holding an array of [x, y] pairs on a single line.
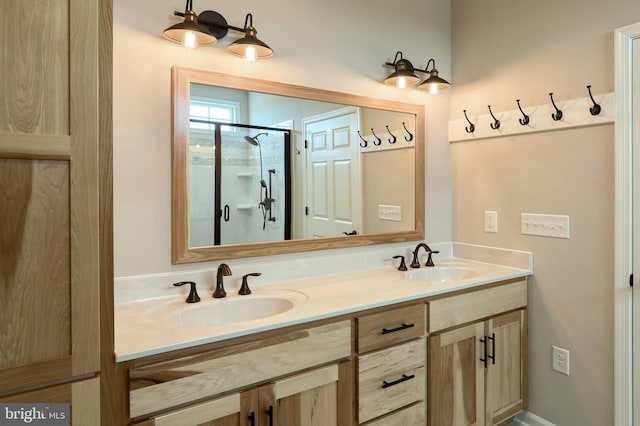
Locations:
{"points": [[392, 213], [490, 221], [560, 361]]}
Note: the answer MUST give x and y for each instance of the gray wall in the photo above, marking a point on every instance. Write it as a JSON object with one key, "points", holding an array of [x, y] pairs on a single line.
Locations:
{"points": [[503, 50]]}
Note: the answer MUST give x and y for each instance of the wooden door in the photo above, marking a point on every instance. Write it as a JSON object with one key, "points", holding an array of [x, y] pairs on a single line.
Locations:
{"points": [[225, 411], [456, 377], [333, 174], [49, 192], [506, 373]]}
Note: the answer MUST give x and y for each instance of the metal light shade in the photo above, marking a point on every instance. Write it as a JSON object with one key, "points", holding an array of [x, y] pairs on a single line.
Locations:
{"points": [[250, 41], [434, 83], [176, 33], [403, 71]]}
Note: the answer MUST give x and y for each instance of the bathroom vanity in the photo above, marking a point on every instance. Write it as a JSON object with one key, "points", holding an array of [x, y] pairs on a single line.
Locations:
{"points": [[439, 346]]}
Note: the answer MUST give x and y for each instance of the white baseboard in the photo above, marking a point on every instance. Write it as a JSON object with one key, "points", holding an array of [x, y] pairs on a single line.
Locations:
{"points": [[526, 418]]}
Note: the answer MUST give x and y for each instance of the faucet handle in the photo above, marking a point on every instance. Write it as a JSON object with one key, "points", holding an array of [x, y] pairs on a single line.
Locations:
{"points": [[244, 288], [193, 294], [429, 260], [403, 265]]}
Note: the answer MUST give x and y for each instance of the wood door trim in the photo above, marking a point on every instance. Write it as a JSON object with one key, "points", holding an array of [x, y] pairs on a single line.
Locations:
{"points": [[30, 146], [31, 374]]}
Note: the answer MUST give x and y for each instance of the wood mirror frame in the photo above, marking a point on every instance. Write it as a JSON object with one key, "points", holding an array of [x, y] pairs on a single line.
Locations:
{"points": [[181, 252]]}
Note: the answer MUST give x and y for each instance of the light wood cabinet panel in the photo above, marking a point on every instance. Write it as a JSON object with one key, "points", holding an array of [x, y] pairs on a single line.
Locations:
{"points": [[478, 373], [184, 380], [82, 396], [413, 415], [456, 310], [391, 378], [506, 378], [390, 327], [456, 377], [50, 229]]}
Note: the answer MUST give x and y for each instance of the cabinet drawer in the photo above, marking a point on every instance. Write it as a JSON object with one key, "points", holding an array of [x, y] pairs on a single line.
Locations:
{"points": [[390, 327], [455, 310], [414, 415], [391, 378], [189, 379]]}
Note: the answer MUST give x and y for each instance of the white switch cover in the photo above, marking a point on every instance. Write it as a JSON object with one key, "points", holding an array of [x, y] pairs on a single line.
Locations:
{"points": [[490, 221], [560, 361], [392, 213], [545, 225]]}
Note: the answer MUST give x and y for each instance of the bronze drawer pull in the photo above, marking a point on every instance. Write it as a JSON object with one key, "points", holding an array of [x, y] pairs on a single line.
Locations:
{"points": [[404, 378], [393, 330]]}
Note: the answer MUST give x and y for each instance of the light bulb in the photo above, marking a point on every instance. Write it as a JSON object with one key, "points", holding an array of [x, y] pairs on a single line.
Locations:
{"points": [[250, 53], [189, 40], [401, 83], [433, 88]]}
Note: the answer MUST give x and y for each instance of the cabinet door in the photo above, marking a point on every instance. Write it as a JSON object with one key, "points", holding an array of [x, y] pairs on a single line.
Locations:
{"points": [[456, 377], [506, 375], [226, 411], [308, 399], [49, 201]]}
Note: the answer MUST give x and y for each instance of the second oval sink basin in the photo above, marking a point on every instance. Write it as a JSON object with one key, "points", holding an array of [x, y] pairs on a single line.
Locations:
{"points": [[441, 274], [236, 309]]}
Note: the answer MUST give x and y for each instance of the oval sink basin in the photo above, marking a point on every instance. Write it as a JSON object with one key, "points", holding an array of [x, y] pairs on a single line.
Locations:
{"points": [[235, 309], [441, 274]]}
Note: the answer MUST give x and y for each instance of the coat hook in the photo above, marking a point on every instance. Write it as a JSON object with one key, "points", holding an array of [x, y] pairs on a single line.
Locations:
{"points": [[525, 118], [393, 138], [364, 142], [496, 123], [471, 127], [595, 109], [557, 116], [378, 141], [407, 138]]}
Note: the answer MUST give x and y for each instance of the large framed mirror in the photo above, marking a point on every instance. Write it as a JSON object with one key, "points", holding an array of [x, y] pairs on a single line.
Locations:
{"points": [[264, 168]]}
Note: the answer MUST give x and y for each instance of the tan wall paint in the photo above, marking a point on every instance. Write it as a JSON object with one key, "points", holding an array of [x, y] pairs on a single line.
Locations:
{"points": [[504, 50], [345, 52]]}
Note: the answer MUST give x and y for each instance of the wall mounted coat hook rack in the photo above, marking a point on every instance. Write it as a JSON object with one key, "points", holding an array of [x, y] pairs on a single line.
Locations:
{"points": [[393, 138], [595, 109], [471, 127], [525, 118], [409, 136], [557, 116], [378, 141], [496, 123]]}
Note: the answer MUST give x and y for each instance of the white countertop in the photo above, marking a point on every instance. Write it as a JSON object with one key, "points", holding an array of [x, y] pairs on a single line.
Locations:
{"points": [[148, 327]]}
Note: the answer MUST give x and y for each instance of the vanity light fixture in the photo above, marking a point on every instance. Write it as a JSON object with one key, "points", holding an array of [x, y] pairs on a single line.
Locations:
{"points": [[405, 74], [208, 27]]}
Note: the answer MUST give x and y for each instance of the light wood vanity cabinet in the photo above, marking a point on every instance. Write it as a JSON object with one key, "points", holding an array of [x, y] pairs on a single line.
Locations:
{"points": [[275, 378], [392, 366], [478, 356]]}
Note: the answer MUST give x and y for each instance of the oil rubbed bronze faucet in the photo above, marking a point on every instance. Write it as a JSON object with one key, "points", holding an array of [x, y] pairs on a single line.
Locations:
{"points": [[223, 271], [415, 263]]}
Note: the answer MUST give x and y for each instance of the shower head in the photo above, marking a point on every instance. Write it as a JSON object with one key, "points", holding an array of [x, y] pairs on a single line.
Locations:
{"points": [[254, 140], [251, 140]]}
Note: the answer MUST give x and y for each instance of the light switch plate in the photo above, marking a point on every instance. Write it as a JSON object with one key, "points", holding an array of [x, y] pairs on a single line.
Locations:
{"points": [[490, 221], [392, 213], [544, 225]]}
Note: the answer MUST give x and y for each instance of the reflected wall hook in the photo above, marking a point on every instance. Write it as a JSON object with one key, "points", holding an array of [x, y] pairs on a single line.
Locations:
{"points": [[378, 141], [595, 109], [496, 123], [471, 127], [525, 118], [364, 142], [557, 116], [393, 138], [410, 137]]}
